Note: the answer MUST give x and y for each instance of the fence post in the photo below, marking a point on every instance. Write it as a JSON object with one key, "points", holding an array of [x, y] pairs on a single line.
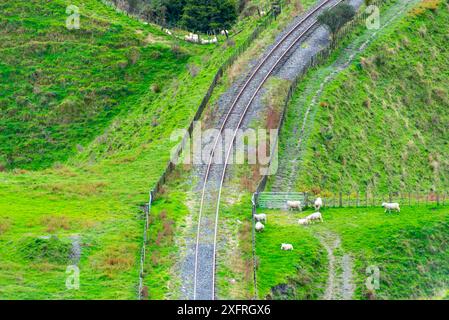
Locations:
{"points": [[340, 202], [438, 198], [253, 212]]}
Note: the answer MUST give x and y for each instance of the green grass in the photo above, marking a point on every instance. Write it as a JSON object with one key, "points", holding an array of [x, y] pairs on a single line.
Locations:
{"points": [[302, 271], [61, 88], [409, 248], [380, 125]]}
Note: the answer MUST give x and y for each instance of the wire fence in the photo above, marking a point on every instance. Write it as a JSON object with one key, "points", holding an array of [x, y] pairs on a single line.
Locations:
{"points": [[147, 210], [253, 212], [277, 200]]}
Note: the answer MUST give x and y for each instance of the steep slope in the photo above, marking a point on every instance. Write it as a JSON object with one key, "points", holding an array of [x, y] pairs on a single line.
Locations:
{"points": [[60, 87], [382, 124]]}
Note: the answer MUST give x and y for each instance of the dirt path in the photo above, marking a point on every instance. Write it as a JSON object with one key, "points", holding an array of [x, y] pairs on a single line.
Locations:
{"points": [[305, 110], [340, 285]]}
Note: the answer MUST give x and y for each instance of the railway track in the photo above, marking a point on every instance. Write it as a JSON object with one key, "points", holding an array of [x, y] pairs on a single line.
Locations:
{"points": [[207, 229]]}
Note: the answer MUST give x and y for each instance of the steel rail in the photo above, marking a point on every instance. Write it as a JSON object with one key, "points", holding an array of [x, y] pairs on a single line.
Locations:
{"points": [[231, 109]]}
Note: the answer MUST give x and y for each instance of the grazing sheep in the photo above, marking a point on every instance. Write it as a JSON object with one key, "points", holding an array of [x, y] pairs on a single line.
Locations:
{"points": [[315, 217], [286, 246], [303, 222], [318, 204], [391, 206], [192, 37], [259, 226], [294, 205], [261, 217]]}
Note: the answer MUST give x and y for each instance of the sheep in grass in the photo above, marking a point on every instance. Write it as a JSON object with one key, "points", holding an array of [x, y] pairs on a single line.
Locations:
{"points": [[259, 227], [315, 217], [318, 204], [262, 217], [291, 205], [303, 222], [286, 246], [391, 206]]}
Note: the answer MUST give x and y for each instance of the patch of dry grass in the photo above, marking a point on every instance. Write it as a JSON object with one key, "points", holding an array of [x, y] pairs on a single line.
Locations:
{"points": [[115, 258], [4, 225], [54, 223]]}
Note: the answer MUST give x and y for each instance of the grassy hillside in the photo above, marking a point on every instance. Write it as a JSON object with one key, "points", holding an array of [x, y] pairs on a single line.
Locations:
{"points": [[382, 124], [60, 87], [409, 248]]}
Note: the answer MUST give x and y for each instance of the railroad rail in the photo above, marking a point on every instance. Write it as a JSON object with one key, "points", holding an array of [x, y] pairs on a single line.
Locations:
{"points": [[308, 18]]}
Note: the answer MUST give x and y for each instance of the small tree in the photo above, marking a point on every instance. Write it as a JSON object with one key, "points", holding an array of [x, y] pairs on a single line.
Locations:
{"points": [[207, 15], [336, 17]]}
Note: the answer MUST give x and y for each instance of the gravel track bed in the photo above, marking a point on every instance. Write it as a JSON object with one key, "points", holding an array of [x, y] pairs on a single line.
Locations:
{"points": [[291, 65]]}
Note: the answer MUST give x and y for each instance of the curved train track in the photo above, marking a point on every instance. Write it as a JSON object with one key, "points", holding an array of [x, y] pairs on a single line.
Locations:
{"points": [[309, 20]]}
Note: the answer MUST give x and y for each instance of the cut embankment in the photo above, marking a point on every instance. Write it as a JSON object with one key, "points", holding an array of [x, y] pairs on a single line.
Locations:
{"points": [[305, 104], [381, 124]]}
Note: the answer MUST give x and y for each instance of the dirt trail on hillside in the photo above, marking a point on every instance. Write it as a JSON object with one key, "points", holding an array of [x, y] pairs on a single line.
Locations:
{"points": [[340, 284], [296, 143]]}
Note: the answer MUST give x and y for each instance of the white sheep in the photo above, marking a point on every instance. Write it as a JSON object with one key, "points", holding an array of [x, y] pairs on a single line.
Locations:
{"points": [[391, 206], [315, 217], [294, 205], [192, 37], [261, 217], [259, 226], [303, 222], [318, 204], [286, 246]]}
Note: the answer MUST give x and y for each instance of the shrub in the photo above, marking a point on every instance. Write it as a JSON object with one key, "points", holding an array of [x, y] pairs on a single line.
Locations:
{"points": [[337, 17], [51, 249]]}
